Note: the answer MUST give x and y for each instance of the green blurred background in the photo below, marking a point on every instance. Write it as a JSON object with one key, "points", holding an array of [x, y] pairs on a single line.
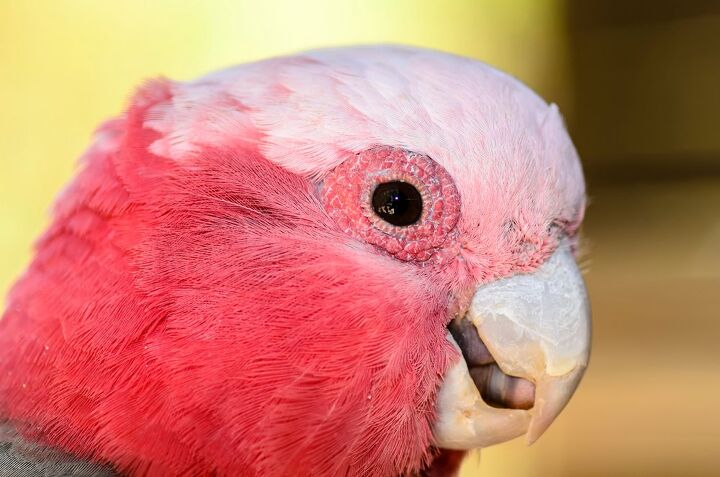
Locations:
{"points": [[639, 84]]}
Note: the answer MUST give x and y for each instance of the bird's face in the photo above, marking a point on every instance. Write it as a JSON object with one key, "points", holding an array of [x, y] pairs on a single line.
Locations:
{"points": [[457, 178], [508, 281], [326, 264]]}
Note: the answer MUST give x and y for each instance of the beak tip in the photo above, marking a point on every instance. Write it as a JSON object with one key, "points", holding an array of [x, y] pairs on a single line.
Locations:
{"points": [[555, 394], [537, 429]]}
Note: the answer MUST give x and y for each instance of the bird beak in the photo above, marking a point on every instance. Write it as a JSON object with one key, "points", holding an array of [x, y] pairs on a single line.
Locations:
{"points": [[525, 341]]}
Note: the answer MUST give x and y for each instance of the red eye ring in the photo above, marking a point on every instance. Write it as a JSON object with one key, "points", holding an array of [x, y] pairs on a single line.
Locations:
{"points": [[348, 190]]}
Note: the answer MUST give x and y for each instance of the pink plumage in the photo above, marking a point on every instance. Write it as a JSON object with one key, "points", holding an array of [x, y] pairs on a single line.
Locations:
{"points": [[200, 305]]}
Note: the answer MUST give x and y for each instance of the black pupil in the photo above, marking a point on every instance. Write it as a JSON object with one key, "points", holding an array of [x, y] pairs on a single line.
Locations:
{"points": [[398, 203]]}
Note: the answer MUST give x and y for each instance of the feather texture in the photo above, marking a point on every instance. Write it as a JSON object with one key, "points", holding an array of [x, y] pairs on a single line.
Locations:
{"points": [[194, 308]]}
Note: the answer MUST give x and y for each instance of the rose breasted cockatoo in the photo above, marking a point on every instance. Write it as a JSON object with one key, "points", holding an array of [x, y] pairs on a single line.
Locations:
{"points": [[348, 262]]}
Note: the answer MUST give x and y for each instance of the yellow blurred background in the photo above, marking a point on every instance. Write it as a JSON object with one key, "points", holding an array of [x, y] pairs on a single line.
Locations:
{"points": [[638, 81]]}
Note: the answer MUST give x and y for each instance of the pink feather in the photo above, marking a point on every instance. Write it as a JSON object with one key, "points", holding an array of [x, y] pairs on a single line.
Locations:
{"points": [[195, 309]]}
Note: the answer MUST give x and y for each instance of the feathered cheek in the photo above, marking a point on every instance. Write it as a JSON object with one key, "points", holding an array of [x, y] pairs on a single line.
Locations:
{"points": [[400, 201]]}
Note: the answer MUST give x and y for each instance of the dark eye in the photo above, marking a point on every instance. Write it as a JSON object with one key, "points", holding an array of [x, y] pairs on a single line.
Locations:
{"points": [[398, 203]]}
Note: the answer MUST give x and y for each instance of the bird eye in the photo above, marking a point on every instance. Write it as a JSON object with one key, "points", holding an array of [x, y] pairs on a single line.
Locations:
{"points": [[398, 200], [397, 203]]}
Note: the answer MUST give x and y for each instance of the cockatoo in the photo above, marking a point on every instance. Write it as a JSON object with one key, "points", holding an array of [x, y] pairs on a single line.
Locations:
{"points": [[355, 262]]}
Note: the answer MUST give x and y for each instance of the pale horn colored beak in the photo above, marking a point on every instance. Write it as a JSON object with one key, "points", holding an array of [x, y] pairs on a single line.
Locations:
{"points": [[536, 328]]}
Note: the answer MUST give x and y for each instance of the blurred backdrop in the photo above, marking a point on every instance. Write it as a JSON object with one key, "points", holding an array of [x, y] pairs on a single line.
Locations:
{"points": [[638, 82]]}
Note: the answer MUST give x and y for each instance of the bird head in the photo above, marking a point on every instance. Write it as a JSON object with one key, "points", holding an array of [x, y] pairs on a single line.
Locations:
{"points": [[343, 262]]}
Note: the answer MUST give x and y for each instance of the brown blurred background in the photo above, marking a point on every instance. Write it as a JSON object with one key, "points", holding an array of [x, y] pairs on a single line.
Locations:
{"points": [[639, 85], [645, 81]]}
